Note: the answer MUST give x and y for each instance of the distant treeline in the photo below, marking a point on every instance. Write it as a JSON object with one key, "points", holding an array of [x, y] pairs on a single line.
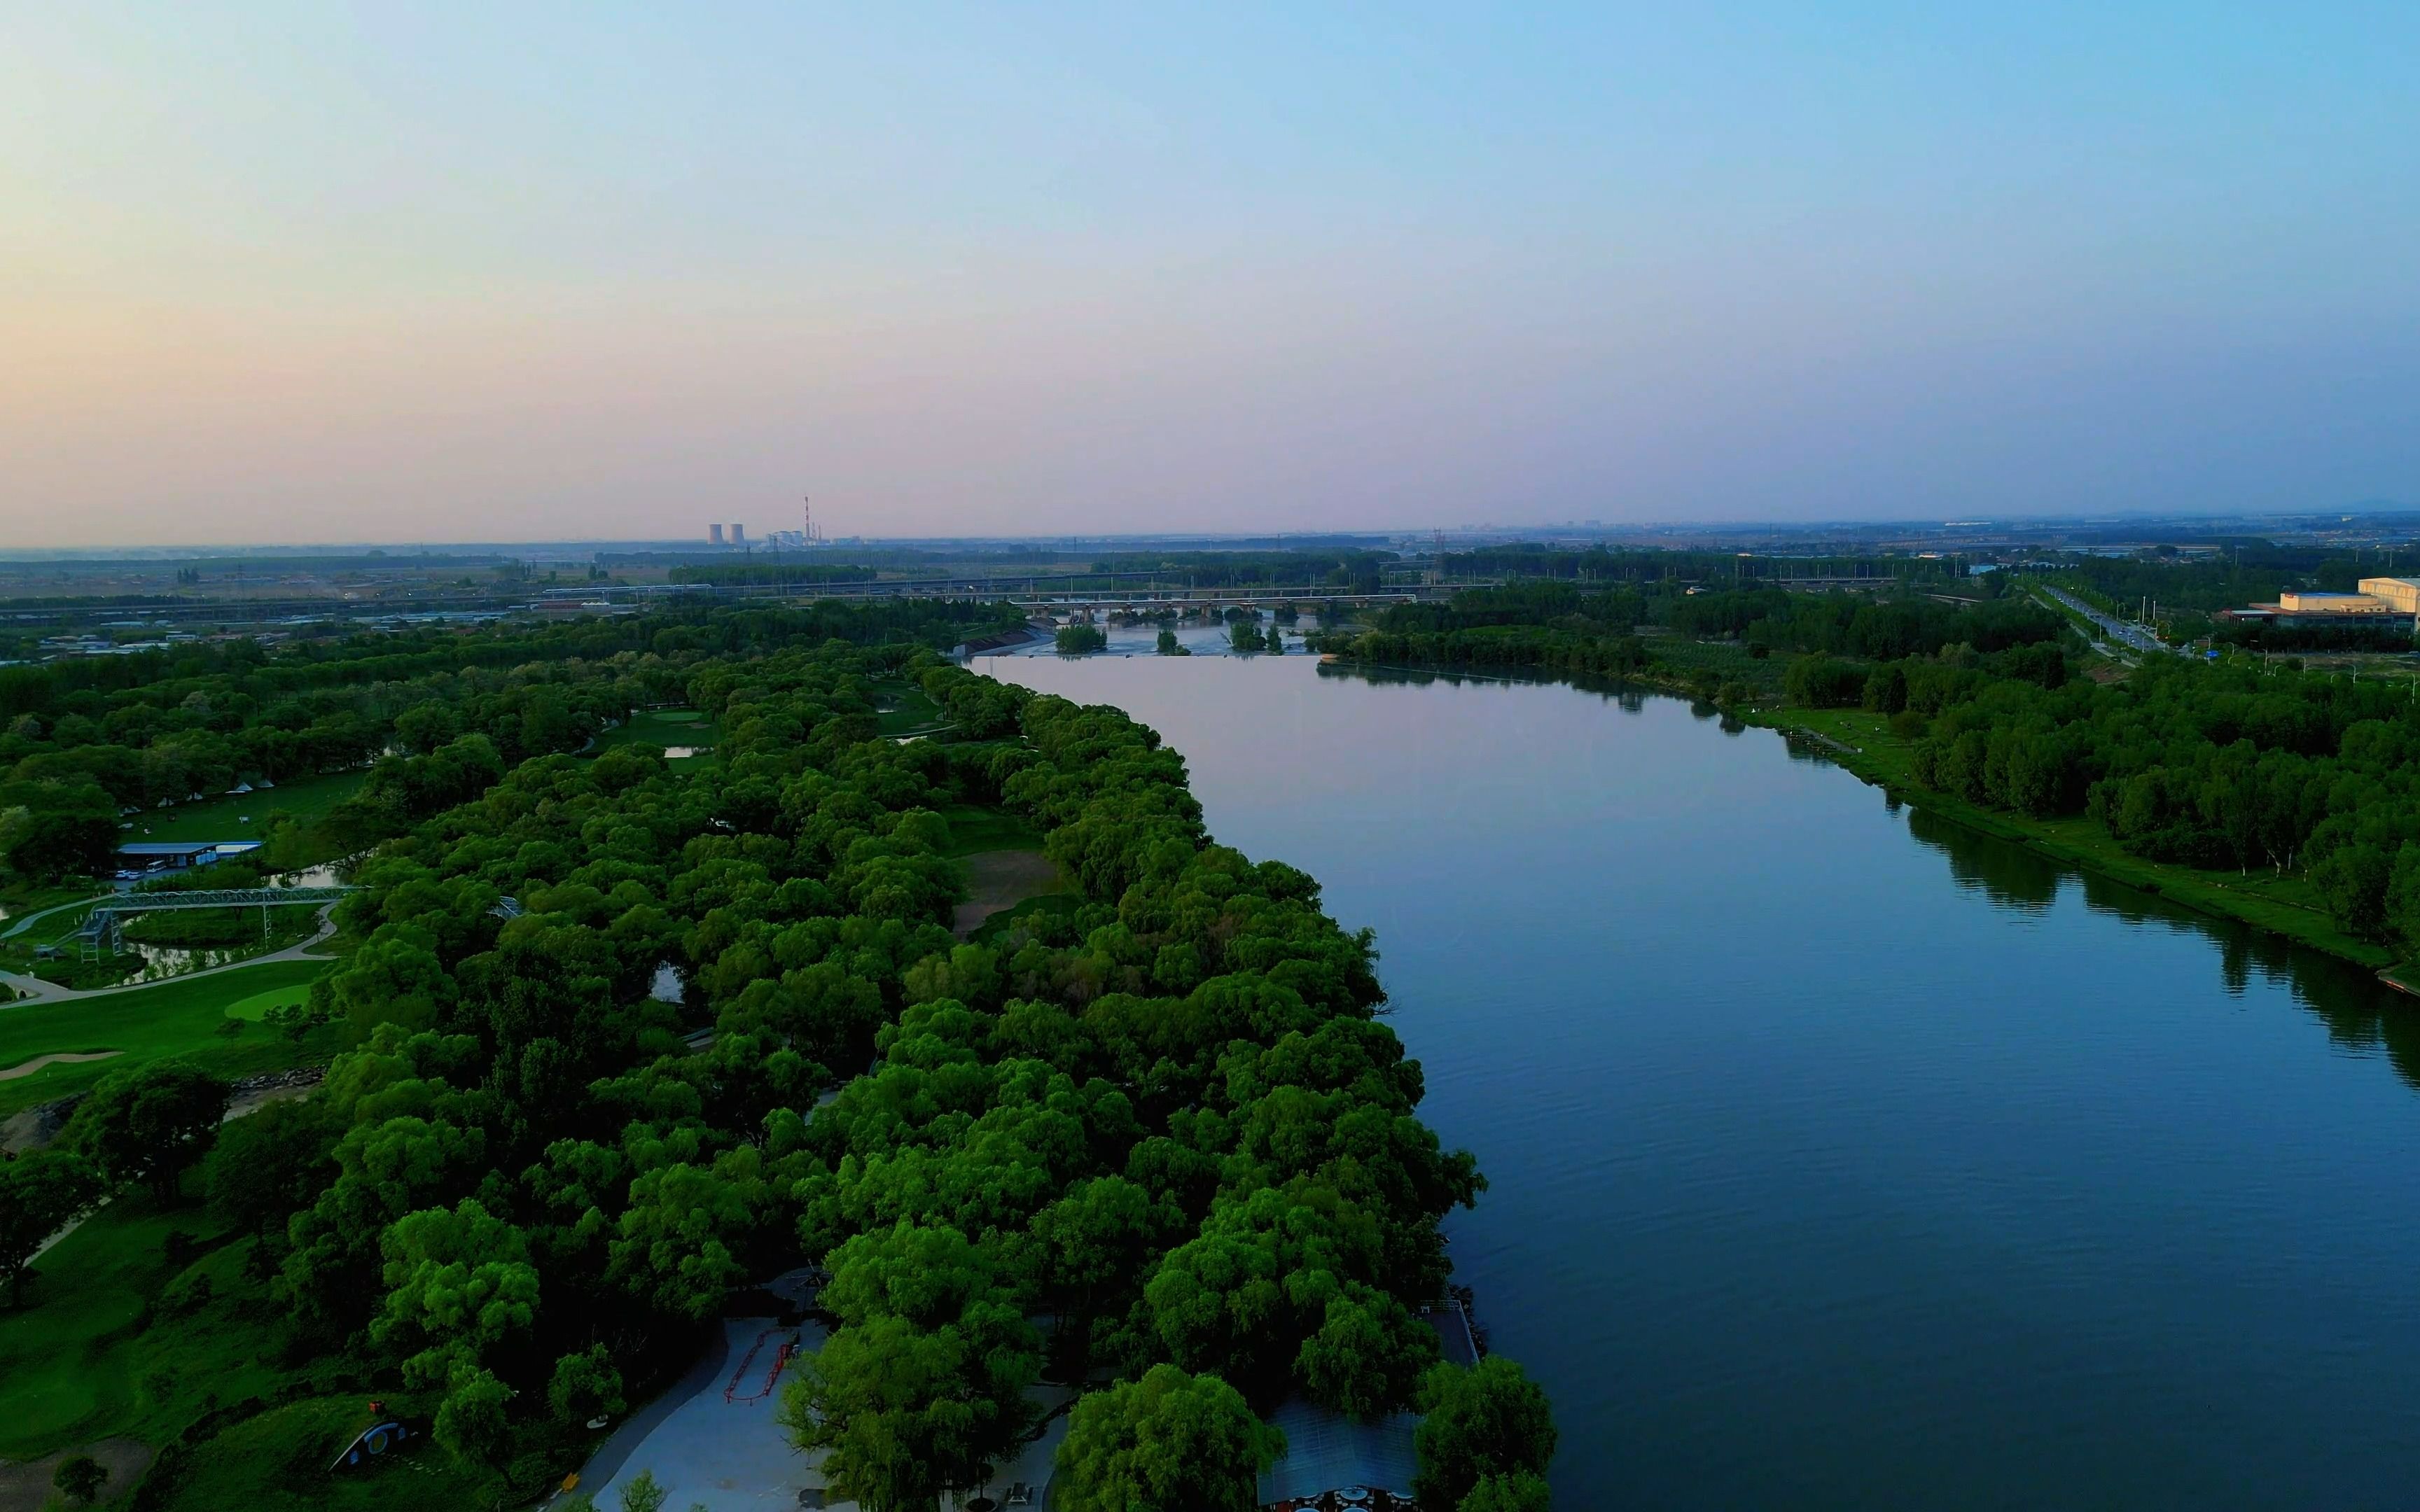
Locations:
{"points": [[438, 712], [2226, 764], [1605, 564], [53, 567], [2230, 764], [1352, 571], [790, 574], [2204, 585], [1850, 625], [2393, 633], [894, 558], [1554, 627]]}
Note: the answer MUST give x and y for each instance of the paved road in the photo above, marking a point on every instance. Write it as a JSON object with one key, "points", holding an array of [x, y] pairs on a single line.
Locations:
{"points": [[35, 990], [2118, 630]]}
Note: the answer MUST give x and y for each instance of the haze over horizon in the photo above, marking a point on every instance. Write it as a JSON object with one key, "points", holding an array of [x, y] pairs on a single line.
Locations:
{"points": [[278, 272]]}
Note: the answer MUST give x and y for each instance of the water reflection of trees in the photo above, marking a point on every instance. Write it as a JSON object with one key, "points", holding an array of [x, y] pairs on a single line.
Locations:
{"points": [[1631, 698], [2360, 1012]]}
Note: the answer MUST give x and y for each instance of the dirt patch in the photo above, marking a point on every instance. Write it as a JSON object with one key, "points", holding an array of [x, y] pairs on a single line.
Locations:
{"points": [[35, 1126], [26, 1488], [999, 880], [243, 1103], [28, 1068]]}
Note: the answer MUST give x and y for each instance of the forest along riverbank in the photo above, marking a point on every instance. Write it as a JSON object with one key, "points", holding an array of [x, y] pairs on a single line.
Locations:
{"points": [[1863, 742], [2250, 786], [1970, 1180], [1153, 1110]]}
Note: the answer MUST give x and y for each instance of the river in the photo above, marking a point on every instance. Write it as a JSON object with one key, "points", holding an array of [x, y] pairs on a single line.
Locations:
{"points": [[1841, 1157]]}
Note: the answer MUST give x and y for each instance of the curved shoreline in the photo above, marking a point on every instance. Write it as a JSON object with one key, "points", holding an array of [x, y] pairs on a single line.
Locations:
{"points": [[2182, 886]]}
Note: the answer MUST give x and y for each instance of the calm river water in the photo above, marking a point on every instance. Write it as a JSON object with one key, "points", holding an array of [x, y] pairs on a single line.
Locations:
{"points": [[1841, 1158]]}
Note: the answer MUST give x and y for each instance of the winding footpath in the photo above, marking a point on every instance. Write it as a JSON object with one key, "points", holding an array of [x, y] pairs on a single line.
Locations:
{"points": [[19, 926], [54, 993]]}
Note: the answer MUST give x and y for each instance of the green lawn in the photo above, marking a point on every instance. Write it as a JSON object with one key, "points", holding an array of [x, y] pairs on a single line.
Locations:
{"points": [[100, 1350], [1727, 659], [250, 1008], [973, 830], [52, 927], [278, 1461], [306, 798], [905, 709], [998, 924], [22, 899], [174, 1018], [83, 1359], [665, 728]]}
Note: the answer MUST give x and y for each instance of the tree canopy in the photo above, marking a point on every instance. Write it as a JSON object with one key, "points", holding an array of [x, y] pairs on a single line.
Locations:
{"points": [[1484, 1429], [1168, 1440], [1156, 1142]]}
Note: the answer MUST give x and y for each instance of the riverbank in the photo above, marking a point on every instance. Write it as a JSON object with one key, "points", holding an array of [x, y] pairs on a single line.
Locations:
{"points": [[1862, 743], [2288, 906], [1766, 1078]]}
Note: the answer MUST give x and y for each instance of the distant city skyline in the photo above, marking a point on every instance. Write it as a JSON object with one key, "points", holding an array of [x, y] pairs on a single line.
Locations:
{"points": [[286, 273]]}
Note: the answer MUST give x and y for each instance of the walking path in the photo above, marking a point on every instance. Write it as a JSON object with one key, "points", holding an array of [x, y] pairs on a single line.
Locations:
{"points": [[246, 1103], [35, 990], [19, 927]]}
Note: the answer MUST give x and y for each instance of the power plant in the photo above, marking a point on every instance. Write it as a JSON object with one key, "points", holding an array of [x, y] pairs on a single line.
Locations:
{"points": [[736, 535], [803, 537]]}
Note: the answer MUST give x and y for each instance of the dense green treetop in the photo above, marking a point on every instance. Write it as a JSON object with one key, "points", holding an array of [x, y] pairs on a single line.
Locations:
{"points": [[1485, 1429], [1162, 1128], [1168, 1440], [40, 1193], [440, 714], [151, 1124]]}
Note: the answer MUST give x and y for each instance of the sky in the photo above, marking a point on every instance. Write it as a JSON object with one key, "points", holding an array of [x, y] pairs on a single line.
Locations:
{"points": [[333, 273]]}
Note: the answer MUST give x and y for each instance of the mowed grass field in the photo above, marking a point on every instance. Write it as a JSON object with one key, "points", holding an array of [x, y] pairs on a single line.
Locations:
{"points": [[279, 1462], [77, 1363], [306, 798], [105, 1348], [664, 730], [146, 1318], [974, 829], [904, 708], [174, 1018]]}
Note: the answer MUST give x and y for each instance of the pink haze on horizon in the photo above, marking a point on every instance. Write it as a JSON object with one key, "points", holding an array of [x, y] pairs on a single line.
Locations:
{"points": [[573, 273]]}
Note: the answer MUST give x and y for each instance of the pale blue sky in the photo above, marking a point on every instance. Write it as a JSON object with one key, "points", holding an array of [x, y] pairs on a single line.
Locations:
{"points": [[279, 272]]}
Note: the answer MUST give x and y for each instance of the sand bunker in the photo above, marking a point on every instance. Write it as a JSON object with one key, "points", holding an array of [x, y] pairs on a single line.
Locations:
{"points": [[40, 1061]]}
